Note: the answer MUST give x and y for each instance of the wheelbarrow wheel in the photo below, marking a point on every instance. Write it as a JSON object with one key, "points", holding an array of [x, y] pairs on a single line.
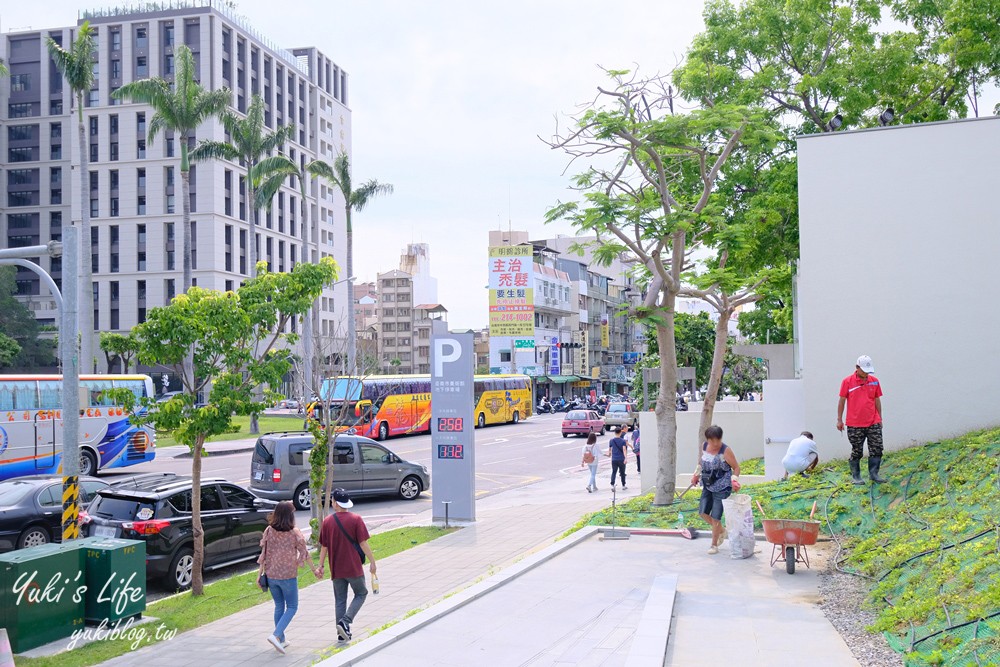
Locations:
{"points": [[790, 560]]}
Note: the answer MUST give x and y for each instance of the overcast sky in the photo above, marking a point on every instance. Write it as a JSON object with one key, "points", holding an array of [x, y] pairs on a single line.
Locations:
{"points": [[448, 98]]}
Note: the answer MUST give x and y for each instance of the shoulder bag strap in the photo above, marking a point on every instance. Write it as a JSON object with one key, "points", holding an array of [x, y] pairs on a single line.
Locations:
{"points": [[344, 531]]}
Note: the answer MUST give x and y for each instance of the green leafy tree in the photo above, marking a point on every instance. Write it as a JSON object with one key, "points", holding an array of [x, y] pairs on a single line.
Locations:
{"points": [[770, 322], [653, 203], [9, 349], [742, 375], [118, 347], [18, 327], [249, 143], [77, 67], [180, 107], [355, 199], [237, 343], [695, 340]]}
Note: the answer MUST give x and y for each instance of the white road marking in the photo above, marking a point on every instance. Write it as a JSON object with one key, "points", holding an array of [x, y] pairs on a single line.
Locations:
{"points": [[519, 458], [554, 444]]}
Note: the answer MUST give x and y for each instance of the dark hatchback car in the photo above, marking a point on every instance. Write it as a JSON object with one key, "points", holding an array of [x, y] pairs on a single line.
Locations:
{"points": [[31, 509], [156, 508]]}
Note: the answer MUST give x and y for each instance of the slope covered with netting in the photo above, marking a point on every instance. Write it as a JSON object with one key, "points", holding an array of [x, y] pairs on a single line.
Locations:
{"points": [[927, 542]]}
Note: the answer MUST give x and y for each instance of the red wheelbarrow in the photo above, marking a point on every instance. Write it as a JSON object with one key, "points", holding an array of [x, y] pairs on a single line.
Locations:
{"points": [[790, 538]]}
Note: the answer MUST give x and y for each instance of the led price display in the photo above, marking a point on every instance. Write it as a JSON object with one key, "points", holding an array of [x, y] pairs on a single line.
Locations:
{"points": [[451, 451], [450, 425]]}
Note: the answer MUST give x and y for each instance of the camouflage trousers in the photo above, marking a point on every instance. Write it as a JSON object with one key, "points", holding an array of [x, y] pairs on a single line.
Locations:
{"points": [[857, 435]]}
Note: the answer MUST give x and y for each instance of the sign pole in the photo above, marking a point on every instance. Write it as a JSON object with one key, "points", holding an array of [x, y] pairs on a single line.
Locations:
{"points": [[453, 438]]}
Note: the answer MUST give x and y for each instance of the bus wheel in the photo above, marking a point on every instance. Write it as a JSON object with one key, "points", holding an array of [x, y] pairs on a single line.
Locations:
{"points": [[383, 431], [516, 417], [88, 462], [481, 422]]}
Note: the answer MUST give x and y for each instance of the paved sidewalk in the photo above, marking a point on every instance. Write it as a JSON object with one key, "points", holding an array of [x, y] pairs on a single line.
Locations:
{"points": [[510, 526]]}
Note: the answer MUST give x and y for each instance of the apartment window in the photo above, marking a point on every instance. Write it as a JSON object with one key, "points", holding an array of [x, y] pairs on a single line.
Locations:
{"points": [[93, 126], [114, 151], [114, 264], [168, 35], [21, 154], [170, 147], [229, 247], [93, 152], [116, 40], [170, 203], [140, 124], [94, 207], [97, 310], [243, 251], [20, 132], [140, 260], [94, 98], [141, 67], [55, 153], [388, 312], [140, 205], [113, 174], [141, 40], [168, 65], [140, 178], [113, 124], [55, 131], [21, 110], [168, 288], [194, 244], [169, 176], [170, 260], [19, 199], [169, 231], [114, 207], [140, 149], [140, 234], [95, 239], [55, 107], [20, 83]]}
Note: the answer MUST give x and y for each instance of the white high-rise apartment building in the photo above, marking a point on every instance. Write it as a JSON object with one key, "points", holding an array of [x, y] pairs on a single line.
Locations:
{"points": [[133, 185]]}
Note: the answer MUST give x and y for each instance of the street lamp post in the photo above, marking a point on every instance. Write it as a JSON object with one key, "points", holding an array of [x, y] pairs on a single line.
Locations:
{"points": [[68, 249]]}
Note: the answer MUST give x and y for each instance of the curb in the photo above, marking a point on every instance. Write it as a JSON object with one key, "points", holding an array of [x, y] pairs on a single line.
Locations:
{"points": [[221, 452], [371, 645]]}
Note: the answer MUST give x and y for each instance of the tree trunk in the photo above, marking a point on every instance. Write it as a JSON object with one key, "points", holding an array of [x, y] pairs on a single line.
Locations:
{"points": [[715, 375], [352, 334], [197, 585], [666, 409], [253, 228], [186, 210], [86, 286]]}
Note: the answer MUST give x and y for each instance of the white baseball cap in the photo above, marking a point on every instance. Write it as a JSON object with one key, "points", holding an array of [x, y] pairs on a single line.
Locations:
{"points": [[865, 364]]}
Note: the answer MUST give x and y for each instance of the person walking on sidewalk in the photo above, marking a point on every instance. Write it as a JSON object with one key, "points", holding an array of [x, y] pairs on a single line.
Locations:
{"points": [[718, 472], [283, 550], [591, 456], [344, 537], [617, 450], [633, 441], [862, 393]]}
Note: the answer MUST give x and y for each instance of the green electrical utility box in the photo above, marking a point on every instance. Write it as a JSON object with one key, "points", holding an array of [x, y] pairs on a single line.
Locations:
{"points": [[40, 594], [115, 578]]}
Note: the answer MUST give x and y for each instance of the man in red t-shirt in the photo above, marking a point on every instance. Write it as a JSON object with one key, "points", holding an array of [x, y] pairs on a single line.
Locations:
{"points": [[862, 393], [340, 536]]}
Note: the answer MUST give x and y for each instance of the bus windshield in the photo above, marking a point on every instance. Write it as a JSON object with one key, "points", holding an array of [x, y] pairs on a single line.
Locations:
{"points": [[341, 389]]}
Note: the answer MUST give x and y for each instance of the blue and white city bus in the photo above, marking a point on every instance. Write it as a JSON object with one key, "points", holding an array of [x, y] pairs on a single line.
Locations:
{"points": [[31, 436]]}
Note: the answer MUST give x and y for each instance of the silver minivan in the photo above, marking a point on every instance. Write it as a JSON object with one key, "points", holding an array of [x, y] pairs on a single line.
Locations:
{"points": [[620, 414], [279, 469]]}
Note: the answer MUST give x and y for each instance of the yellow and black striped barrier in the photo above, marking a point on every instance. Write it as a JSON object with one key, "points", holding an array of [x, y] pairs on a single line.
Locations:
{"points": [[71, 508]]}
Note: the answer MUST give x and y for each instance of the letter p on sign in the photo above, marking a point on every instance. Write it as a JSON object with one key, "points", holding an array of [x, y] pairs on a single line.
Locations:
{"points": [[448, 350]]}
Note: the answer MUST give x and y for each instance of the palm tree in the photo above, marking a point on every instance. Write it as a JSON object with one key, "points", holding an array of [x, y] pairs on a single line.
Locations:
{"points": [[340, 175], [181, 107], [77, 67], [277, 168], [249, 143]]}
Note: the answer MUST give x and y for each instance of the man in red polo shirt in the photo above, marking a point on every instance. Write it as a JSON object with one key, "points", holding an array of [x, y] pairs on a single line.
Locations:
{"points": [[862, 394]]}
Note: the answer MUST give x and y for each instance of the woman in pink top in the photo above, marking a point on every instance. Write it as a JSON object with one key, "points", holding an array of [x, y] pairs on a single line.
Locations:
{"points": [[283, 550]]}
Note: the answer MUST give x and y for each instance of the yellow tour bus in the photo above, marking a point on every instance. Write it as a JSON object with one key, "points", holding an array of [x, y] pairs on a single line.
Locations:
{"points": [[381, 406]]}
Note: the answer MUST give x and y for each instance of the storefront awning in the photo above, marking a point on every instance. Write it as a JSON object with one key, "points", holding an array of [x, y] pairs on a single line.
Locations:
{"points": [[561, 379]]}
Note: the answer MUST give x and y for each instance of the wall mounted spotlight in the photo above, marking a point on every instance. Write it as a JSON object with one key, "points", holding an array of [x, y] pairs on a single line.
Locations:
{"points": [[834, 123], [886, 116]]}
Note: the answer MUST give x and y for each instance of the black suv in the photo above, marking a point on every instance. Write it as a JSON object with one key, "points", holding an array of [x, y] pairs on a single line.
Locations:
{"points": [[156, 508]]}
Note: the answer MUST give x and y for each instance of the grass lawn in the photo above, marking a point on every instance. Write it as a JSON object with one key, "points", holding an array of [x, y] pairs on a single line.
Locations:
{"points": [[222, 598], [268, 423]]}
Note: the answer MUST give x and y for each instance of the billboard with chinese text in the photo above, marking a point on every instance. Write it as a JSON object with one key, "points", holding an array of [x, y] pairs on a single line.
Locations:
{"points": [[512, 299]]}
